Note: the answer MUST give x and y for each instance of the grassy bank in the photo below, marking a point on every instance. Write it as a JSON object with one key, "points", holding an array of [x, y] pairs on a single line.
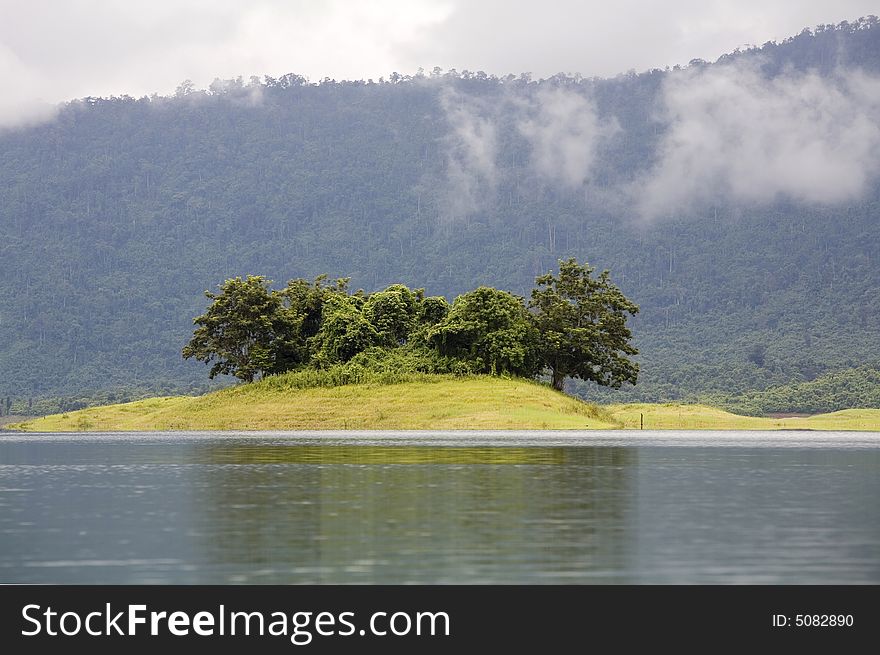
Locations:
{"points": [[8, 419], [429, 402], [421, 402], [673, 416]]}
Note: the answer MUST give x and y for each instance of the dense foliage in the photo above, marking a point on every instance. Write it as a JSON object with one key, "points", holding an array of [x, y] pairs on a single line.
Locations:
{"points": [[251, 330], [247, 331], [582, 325], [116, 216], [492, 330], [849, 389]]}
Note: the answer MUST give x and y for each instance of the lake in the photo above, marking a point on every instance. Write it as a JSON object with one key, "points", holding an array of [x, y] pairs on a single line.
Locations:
{"points": [[454, 507]]}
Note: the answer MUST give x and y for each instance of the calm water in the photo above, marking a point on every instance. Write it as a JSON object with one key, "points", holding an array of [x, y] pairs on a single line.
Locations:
{"points": [[480, 507]]}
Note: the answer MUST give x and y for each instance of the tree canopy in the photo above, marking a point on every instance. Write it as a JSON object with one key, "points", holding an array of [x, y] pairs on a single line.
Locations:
{"points": [[491, 328], [574, 326], [246, 331], [581, 321]]}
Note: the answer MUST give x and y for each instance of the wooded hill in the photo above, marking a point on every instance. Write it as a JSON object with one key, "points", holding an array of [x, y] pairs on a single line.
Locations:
{"points": [[117, 215]]}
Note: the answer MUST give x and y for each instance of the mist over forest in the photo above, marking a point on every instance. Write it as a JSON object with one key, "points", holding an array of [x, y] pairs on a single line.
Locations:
{"points": [[736, 202]]}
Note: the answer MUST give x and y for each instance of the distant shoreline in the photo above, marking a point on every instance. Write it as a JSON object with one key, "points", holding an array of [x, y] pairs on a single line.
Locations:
{"points": [[10, 419]]}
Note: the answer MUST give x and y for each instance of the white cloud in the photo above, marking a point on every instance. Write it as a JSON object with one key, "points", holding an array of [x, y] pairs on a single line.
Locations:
{"points": [[471, 150], [74, 48], [734, 134], [21, 104], [64, 50], [598, 38], [565, 134], [560, 126]]}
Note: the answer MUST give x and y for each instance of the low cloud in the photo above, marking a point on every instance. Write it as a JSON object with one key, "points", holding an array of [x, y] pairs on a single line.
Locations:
{"points": [[65, 50], [20, 103], [735, 135], [471, 152], [561, 128], [249, 94], [565, 134]]}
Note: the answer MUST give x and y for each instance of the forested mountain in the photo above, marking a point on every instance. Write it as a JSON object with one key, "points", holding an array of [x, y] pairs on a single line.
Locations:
{"points": [[119, 213]]}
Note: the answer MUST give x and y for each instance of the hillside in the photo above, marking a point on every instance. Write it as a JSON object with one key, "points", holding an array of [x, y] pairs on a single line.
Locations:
{"points": [[116, 216], [847, 389]]}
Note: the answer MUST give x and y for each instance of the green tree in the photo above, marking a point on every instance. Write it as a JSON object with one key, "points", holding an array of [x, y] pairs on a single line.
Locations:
{"points": [[344, 332], [582, 324], [246, 331], [394, 313], [305, 300], [434, 310], [491, 329]]}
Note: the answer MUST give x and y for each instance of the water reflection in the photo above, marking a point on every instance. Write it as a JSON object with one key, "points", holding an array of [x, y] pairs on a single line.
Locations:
{"points": [[239, 453], [202, 509], [407, 514]]}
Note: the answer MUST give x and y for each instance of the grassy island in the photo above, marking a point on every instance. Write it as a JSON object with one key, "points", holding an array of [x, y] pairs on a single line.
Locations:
{"points": [[414, 402]]}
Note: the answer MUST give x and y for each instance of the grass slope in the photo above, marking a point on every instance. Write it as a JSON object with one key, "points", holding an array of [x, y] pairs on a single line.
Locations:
{"points": [[674, 416], [434, 402], [426, 402]]}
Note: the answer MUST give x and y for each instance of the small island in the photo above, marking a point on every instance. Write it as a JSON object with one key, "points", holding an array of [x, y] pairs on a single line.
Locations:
{"points": [[314, 356]]}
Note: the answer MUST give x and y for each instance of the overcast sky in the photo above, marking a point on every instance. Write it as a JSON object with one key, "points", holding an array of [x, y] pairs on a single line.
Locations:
{"points": [[53, 50]]}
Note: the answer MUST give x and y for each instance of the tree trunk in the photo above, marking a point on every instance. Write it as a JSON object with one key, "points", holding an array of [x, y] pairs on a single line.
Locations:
{"points": [[558, 379]]}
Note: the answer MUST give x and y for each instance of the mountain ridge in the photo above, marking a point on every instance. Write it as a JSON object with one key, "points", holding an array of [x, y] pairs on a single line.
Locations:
{"points": [[118, 214]]}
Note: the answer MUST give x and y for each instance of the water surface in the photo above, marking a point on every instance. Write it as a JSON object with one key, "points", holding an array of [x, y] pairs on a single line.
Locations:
{"points": [[433, 507]]}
